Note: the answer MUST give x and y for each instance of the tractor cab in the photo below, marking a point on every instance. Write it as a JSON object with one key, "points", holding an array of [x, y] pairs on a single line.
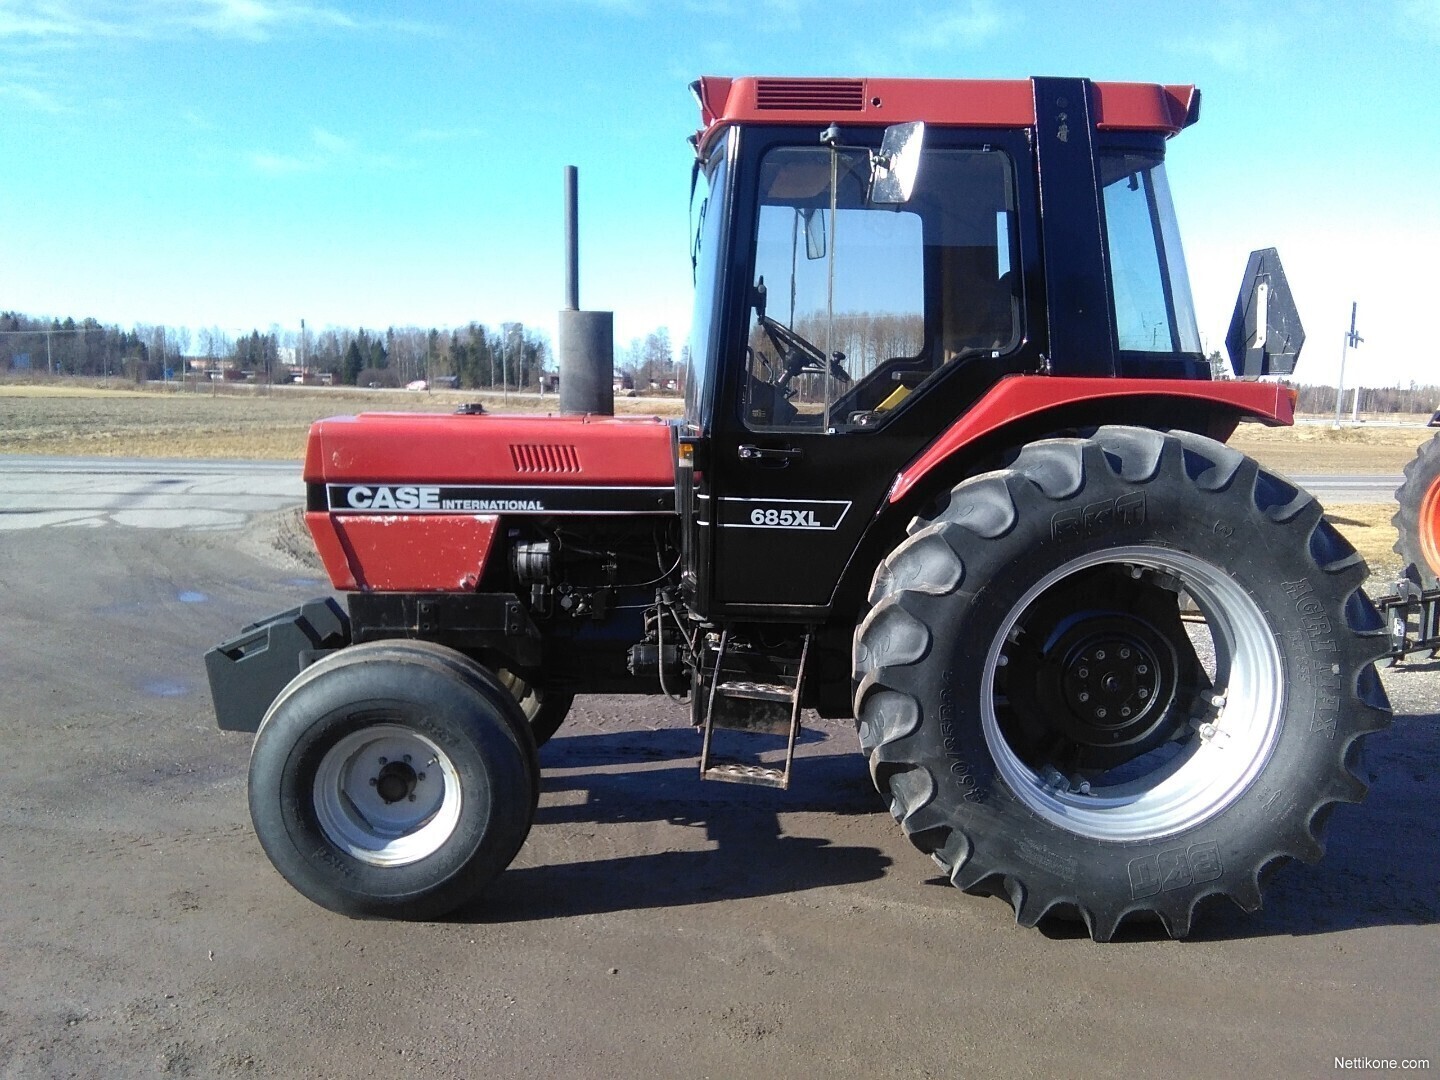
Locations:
{"points": [[872, 258]]}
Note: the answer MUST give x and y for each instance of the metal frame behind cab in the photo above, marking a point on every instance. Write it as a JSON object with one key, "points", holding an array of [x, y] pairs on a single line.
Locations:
{"points": [[1072, 223]]}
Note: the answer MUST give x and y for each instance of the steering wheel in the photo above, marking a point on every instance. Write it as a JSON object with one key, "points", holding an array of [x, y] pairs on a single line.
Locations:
{"points": [[798, 353]]}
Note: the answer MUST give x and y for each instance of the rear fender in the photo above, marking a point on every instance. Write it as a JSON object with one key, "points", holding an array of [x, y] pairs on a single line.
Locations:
{"points": [[1207, 408], [1024, 408]]}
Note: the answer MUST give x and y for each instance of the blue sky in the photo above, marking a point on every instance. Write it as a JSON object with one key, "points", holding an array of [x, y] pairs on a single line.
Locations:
{"points": [[238, 163]]}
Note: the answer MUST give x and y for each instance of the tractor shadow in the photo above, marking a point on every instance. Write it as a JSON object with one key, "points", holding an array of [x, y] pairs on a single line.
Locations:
{"points": [[747, 851], [1382, 858], [1381, 866]]}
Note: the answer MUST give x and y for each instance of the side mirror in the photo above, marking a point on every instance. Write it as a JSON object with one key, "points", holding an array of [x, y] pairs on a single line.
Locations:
{"points": [[1265, 332], [813, 221], [895, 168]]}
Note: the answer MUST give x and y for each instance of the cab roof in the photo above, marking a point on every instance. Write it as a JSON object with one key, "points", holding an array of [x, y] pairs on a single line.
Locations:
{"points": [[959, 102]]}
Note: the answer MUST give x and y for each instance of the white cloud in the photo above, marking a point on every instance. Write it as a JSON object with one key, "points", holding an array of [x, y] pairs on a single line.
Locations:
{"points": [[1236, 46], [32, 97], [1421, 16], [47, 22], [967, 26], [331, 144], [326, 150], [282, 164], [445, 135]]}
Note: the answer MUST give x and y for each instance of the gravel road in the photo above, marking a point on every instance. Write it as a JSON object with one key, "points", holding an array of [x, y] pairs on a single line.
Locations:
{"points": [[652, 926]]}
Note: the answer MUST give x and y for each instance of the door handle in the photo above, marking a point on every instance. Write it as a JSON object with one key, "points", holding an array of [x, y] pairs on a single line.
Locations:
{"points": [[773, 456]]}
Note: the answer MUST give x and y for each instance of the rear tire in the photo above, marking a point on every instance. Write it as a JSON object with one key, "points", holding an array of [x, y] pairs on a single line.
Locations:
{"points": [[544, 709], [390, 781], [1417, 521], [1044, 723]]}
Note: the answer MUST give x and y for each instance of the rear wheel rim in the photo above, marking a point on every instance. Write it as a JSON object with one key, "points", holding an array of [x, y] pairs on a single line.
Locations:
{"points": [[1429, 527], [1212, 760], [387, 795]]}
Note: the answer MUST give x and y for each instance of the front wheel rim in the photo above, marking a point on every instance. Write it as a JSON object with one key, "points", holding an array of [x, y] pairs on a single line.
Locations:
{"points": [[387, 795], [1222, 751]]}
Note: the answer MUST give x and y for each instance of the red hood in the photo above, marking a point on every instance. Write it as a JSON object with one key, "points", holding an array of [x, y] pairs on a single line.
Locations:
{"points": [[451, 448]]}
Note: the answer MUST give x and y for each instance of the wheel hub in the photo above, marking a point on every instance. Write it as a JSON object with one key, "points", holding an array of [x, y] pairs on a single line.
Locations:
{"points": [[396, 781], [387, 795], [1092, 672], [1112, 682], [1056, 661]]}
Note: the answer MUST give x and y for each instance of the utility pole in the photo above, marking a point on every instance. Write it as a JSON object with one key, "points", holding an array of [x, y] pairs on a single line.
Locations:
{"points": [[1352, 339]]}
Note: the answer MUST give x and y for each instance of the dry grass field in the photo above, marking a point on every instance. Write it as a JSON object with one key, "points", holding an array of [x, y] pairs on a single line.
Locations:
{"points": [[249, 422], [1322, 448], [222, 422]]}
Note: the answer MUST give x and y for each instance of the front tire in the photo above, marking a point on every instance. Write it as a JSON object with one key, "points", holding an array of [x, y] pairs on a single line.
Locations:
{"points": [[392, 781], [1122, 675]]}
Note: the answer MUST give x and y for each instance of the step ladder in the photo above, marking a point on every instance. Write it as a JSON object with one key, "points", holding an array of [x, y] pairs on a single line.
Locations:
{"points": [[767, 704]]}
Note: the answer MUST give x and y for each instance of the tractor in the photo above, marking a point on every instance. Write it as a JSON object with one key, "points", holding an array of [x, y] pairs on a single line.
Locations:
{"points": [[952, 462]]}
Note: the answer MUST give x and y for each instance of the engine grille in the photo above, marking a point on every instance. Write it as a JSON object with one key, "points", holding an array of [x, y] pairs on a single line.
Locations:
{"points": [[544, 458], [820, 95]]}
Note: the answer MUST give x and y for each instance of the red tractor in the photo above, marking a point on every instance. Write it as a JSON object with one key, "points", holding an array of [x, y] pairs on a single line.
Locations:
{"points": [[952, 462]]}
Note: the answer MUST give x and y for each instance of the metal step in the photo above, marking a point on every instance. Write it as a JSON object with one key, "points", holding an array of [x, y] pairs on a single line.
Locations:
{"points": [[724, 709], [740, 772], [754, 691]]}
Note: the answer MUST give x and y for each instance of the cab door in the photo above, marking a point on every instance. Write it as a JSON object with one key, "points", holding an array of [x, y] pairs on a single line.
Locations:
{"points": [[856, 319]]}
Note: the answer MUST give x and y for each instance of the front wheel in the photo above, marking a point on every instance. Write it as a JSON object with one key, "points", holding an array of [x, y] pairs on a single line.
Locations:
{"points": [[1122, 675], [392, 781]]}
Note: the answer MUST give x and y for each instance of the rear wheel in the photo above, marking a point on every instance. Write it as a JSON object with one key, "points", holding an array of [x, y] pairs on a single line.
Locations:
{"points": [[1122, 675], [1417, 521], [544, 710], [391, 781]]}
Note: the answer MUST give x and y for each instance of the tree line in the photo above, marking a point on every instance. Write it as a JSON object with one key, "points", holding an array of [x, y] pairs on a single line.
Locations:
{"points": [[1384, 400], [473, 356]]}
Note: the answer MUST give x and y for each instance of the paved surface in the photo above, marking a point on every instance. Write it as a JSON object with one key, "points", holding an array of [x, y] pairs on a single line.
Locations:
{"points": [[154, 494], [1336, 489], [652, 926], [40, 491]]}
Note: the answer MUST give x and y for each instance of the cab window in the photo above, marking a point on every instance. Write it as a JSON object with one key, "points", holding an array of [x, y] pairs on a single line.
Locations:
{"points": [[854, 310]]}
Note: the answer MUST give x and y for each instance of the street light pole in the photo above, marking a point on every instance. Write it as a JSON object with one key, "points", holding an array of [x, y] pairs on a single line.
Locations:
{"points": [[1352, 339]]}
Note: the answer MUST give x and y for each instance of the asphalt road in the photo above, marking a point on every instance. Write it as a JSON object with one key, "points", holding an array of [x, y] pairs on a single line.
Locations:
{"points": [[654, 925], [148, 493]]}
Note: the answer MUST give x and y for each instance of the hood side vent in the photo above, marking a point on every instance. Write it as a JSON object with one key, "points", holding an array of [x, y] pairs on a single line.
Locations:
{"points": [[544, 458]]}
